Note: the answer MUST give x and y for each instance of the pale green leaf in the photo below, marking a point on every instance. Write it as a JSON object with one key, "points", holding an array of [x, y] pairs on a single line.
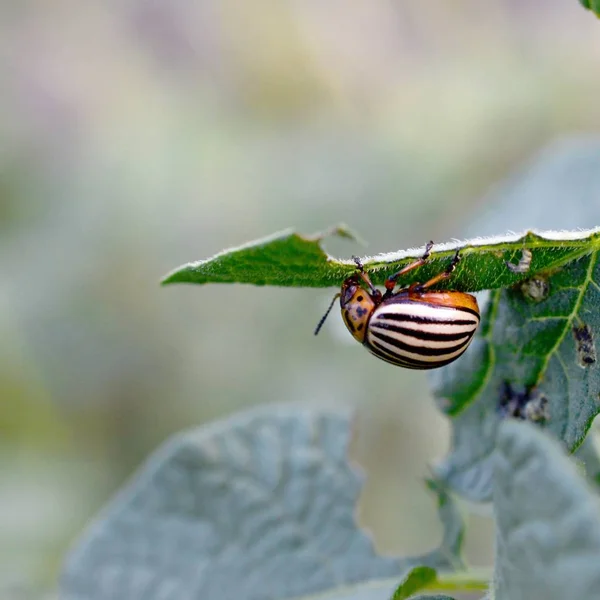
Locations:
{"points": [[548, 521], [258, 506]]}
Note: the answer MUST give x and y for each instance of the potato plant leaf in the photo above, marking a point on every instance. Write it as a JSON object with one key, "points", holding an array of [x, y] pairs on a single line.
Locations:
{"points": [[261, 505], [538, 339], [293, 260], [547, 521]]}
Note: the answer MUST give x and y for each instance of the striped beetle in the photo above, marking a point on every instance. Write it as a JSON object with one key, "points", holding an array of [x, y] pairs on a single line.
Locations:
{"points": [[411, 328]]}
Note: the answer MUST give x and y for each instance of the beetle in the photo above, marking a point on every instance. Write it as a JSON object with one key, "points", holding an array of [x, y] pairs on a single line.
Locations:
{"points": [[413, 327]]}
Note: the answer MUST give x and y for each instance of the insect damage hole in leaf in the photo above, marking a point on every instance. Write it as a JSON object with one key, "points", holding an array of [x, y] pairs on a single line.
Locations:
{"points": [[258, 505]]}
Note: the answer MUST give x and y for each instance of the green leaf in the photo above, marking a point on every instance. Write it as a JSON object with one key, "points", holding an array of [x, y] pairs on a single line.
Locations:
{"points": [[419, 578], [370, 592], [436, 597], [285, 259], [548, 524], [290, 259], [259, 505], [593, 5], [533, 344]]}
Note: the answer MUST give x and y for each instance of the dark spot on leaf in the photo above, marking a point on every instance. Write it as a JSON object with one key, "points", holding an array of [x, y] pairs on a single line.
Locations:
{"points": [[584, 342], [527, 404], [536, 409], [536, 289]]}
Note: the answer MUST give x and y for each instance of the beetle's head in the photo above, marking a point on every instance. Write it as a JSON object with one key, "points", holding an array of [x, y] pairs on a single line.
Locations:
{"points": [[356, 303], [357, 307]]}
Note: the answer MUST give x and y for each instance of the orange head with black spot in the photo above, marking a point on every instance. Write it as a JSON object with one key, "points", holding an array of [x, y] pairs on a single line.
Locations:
{"points": [[357, 307]]}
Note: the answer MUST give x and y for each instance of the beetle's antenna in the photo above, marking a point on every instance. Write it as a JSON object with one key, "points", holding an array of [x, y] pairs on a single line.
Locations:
{"points": [[326, 314]]}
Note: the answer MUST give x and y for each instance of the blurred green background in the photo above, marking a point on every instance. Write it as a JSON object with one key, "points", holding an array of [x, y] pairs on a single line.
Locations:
{"points": [[138, 135]]}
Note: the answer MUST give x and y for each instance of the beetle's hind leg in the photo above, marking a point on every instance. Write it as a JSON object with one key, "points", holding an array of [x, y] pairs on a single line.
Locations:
{"points": [[418, 287], [390, 282]]}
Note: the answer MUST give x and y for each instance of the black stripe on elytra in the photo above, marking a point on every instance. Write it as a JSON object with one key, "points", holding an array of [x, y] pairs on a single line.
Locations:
{"points": [[408, 363], [389, 316], [407, 301], [422, 335], [391, 358], [399, 363], [422, 350]]}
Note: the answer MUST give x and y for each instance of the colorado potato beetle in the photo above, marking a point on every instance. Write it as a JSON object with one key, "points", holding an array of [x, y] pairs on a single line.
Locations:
{"points": [[413, 327]]}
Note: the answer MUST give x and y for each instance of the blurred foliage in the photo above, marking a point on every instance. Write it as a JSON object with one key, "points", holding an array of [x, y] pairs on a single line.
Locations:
{"points": [[135, 135], [548, 529], [592, 5], [263, 500]]}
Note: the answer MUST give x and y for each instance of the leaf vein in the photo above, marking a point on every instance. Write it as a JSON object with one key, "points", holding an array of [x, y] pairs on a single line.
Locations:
{"points": [[571, 316]]}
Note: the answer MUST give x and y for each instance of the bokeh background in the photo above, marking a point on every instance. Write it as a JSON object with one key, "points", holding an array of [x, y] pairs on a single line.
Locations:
{"points": [[137, 135]]}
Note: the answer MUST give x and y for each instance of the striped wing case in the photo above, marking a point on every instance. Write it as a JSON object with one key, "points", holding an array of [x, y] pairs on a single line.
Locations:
{"points": [[423, 331]]}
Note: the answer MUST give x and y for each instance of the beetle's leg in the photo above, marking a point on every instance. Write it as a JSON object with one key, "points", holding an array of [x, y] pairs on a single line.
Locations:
{"points": [[418, 287], [365, 277], [358, 263], [390, 282]]}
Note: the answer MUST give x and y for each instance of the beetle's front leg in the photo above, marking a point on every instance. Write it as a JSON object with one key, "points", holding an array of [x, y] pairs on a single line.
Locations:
{"points": [[367, 280]]}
